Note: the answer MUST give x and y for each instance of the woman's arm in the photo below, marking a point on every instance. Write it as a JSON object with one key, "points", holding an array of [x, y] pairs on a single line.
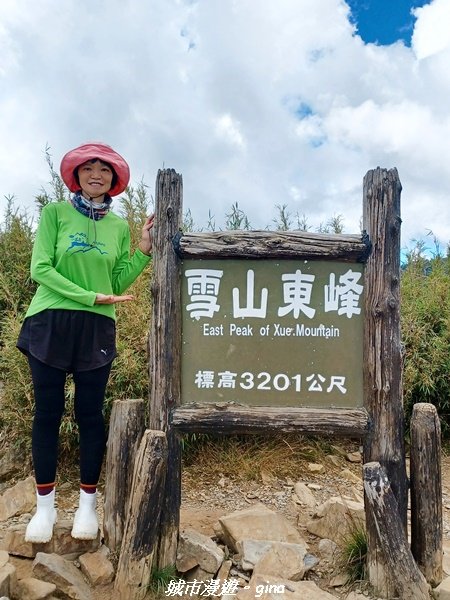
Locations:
{"points": [[128, 269]]}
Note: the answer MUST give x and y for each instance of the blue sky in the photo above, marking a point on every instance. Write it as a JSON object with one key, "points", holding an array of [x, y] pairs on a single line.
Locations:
{"points": [[385, 21], [259, 102]]}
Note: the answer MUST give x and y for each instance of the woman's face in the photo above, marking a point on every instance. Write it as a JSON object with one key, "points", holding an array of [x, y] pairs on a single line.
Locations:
{"points": [[95, 179]]}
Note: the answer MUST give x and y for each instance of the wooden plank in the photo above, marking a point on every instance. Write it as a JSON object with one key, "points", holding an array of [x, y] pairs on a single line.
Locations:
{"points": [[272, 244], [382, 349], [126, 427], [409, 581], [165, 350], [141, 535], [426, 491], [232, 419]]}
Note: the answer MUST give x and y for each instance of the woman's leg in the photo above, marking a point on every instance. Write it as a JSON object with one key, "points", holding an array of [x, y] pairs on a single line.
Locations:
{"points": [[89, 396], [48, 384], [90, 389]]}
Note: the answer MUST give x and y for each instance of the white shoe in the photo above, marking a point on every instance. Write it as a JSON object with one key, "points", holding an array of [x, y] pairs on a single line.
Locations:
{"points": [[85, 522], [40, 528]]}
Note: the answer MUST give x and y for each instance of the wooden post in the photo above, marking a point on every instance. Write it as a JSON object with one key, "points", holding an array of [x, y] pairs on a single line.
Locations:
{"points": [[382, 350], [165, 350], [426, 491], [126, 426], [140, 539], [392, 540]]}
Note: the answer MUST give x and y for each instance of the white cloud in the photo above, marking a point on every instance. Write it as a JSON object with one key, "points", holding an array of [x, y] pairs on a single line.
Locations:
{"points": [[432, 32], [228, 129], [263, 104]]}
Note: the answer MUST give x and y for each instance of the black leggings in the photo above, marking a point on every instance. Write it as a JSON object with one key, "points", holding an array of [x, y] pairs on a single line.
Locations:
{"points": [[48, 383]]}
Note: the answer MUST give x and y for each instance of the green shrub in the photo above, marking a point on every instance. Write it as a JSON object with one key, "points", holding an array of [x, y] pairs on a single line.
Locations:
{"points": [[425, 317], [16, 290], [16, 243]]}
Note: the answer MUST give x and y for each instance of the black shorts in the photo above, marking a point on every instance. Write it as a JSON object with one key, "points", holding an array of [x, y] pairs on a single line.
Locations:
{"points": [[72, 340]]}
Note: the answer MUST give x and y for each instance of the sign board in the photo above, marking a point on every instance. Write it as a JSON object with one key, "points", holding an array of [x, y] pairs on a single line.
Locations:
{"points": [[272, 332]]}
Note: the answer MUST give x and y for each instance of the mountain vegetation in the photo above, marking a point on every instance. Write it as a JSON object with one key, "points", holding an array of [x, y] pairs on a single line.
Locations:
{"points": [[425, 314]]}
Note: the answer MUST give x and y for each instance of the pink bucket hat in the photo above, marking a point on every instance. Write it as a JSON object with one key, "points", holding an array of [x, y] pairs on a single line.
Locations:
{"points": [[76, 157]]}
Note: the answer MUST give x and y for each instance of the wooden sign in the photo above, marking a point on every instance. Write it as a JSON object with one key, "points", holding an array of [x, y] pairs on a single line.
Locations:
{"points": [[272, 332]]}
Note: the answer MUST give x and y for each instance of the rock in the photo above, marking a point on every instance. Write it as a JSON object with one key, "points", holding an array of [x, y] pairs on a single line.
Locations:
{"points": [[339, 580], [442, 591], [257, 523], [197, 574], [11, 462], [97, 568], [356, 596], [195, 549], [14, 542], [310, 561], [327, 549], [62, 542], [354, 457], [251, 552], [283, 560], [7, 579], [266, 587], [61, 572], [356, 495], [30, 588], [18, 499], [334, 460], [304, 495], [316, 468], [4, 558], [336, 519], [65, 545], [446, 557], [224, 571], [267, 477]]}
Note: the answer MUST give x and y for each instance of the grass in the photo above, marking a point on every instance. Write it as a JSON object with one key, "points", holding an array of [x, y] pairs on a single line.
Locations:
{"points": [[354, 555], [159, 581], [252, 457]]}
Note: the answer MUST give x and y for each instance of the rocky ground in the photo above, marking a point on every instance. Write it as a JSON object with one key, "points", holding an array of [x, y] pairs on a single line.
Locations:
{"points": [[207, 498]]}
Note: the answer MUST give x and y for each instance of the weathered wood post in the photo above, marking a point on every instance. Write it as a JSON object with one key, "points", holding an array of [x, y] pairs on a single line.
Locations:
{"points": [[426, 491], [140, 538], [126, 426], [165, 350], [409, 581], [382, 352]]}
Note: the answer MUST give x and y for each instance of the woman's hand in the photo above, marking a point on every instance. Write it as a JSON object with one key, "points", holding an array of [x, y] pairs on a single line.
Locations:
{"points": [[111, 299], [146, 243]]}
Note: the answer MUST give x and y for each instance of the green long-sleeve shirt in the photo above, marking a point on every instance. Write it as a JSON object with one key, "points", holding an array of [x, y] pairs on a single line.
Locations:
{"points": [[74, 259]]}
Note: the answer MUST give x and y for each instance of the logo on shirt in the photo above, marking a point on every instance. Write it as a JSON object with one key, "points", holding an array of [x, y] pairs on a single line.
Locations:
{"points": [[80, 244]]}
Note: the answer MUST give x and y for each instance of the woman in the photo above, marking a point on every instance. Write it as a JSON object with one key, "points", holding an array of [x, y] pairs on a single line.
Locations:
{"points": [[81, 261]]}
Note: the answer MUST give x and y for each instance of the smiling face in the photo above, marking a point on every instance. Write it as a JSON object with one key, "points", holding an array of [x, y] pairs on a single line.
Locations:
{"points": [[95, 178]]}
